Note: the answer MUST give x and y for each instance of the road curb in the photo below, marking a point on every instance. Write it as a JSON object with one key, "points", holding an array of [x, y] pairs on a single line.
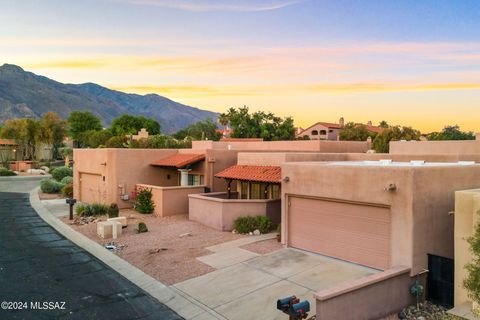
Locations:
{"points": [[184, 306]]}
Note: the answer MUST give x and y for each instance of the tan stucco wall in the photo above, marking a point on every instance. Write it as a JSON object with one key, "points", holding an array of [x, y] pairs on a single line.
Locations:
{"points": [[435, 147], [467, 210], [312, 145], [171, 200], [419, 207], [221, 213], [122, 169], [372, 297]]}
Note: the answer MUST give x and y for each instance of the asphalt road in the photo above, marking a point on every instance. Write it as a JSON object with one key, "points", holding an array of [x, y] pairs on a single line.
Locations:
{"points": [[45, 276]]}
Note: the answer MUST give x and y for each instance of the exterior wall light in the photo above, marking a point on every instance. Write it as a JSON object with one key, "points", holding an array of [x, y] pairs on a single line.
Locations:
{"points": [[286, 179], [392, 187]]}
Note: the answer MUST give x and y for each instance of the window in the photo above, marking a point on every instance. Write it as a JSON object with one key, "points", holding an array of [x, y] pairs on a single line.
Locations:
{"points": [[323, 132], [195, 179], [244, 190], [275, 191], [330, 130], [314, 133], [255, 191]]}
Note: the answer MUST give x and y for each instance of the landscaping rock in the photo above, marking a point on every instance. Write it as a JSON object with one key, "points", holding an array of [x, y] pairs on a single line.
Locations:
{"points": [[188, 234], [425, 310], [256, 232], [250, 233]]}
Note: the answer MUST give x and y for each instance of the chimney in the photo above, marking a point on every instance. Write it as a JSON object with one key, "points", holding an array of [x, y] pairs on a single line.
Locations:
{"points": [[477, 136], [369, 123], [341, 122]]}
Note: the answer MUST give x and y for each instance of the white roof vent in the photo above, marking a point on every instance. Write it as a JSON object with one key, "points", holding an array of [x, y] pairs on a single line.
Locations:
{"points": [[417, 162], [466, 163], [385, 162]]}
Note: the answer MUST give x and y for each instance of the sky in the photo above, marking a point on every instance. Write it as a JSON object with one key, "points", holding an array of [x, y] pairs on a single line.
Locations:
{"points": [[409, 62]]}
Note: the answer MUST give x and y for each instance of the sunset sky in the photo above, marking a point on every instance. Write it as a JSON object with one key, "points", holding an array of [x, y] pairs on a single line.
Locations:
{"points": [[411, 62]]}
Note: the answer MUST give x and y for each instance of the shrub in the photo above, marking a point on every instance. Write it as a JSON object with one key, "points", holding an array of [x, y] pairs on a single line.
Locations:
{"points": [[4, 172], [144, 202], [50, 186], [142, 227], [67, 180], [113, 211], [249, 224], [116, 142], [472, 281], [61, 172], [67, 190], [94, 209]]}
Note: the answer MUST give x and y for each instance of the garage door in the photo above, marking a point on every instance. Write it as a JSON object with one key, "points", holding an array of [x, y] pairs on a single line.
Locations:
{"points": [[91, 188], [352, 232]]}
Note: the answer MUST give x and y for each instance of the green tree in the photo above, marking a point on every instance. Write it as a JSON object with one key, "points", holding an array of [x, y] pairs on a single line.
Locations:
{"points": [[200, 130], [95, 138], [52, 131], [381, 143], [451, 133], [355, 132], [128, 124], [472, 281], [260, 124], [26, 133], [383, 124], [82, 121]]}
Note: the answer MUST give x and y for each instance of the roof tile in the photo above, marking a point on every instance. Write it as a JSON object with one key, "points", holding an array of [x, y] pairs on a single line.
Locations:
{"points": [[271, 174]]}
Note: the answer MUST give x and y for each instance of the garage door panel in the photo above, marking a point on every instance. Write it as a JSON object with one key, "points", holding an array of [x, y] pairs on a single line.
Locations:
{"points": [[352, 232]]}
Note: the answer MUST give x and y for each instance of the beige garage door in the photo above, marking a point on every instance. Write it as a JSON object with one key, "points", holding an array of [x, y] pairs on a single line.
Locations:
{"points": [[352, 232], [91, 188]]}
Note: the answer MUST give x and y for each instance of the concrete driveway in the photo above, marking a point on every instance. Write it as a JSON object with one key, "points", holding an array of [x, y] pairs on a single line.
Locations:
{"points": [[250, 289]]}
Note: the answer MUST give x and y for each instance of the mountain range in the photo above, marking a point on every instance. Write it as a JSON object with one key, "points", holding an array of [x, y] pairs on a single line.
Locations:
{"points": [[27, 95]]}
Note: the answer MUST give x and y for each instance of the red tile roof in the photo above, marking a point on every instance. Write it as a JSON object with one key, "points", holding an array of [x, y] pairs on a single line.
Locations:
{"points": [[179, 160], [374, 129], [272, 174], [8, 142], [330, 125]]}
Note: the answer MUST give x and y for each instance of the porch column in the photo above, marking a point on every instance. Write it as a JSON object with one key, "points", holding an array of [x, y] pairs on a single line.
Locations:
{"points": [[184, 177]]}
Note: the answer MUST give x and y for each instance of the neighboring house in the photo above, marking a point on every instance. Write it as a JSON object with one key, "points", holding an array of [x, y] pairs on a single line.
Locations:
{"points": [[321, 131], [330, 131], [8, 150]]}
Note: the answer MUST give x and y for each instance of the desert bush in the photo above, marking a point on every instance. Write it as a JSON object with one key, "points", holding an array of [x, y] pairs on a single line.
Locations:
{"points": [[51, 186], [61, 172], [94, 209], [472, 281], [113, 211], [4, 172], [142, 227], [116, 142], [144, 202], [249, 224], [67, 180], [67, 190]]}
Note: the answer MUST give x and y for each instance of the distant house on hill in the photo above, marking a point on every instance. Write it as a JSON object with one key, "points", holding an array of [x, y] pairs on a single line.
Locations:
{"points": [[330, 131]]}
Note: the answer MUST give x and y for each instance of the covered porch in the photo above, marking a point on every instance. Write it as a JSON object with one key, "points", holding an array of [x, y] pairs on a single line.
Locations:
{"points": [[181, 169], [251, 191]]}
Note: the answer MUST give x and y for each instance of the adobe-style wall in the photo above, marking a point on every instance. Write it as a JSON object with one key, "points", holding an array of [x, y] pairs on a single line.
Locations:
{"points": [[213, 210], [467, 216], [373, 297], [420, 220], [120, 171], [171, 200], [295, 145], [435, 147]]}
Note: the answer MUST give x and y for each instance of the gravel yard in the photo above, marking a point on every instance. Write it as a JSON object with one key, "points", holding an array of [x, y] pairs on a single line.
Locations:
{"points": [[162, 252]]}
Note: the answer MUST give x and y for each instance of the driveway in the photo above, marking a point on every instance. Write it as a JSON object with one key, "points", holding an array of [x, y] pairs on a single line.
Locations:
{"points": [[38, 265], [250, 289]]}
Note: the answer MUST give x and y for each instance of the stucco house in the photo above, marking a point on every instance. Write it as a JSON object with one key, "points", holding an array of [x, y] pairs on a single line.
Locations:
{"points": [[330, 131]]}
